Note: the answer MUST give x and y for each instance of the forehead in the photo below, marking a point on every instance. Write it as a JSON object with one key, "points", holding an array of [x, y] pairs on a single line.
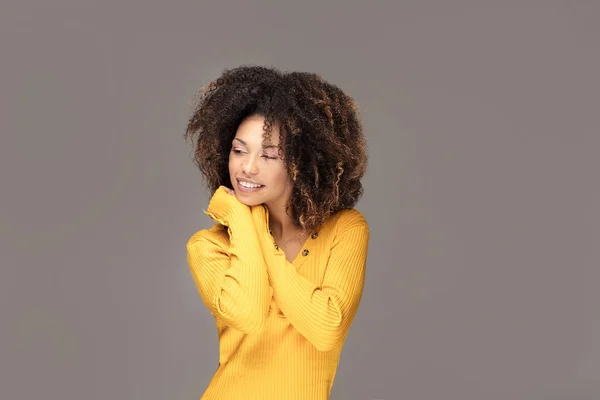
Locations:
{"points": [[250, 133]]}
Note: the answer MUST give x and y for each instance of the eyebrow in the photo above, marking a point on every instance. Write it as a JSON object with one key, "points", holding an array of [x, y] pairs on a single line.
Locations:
{"points": [[270, 146]]}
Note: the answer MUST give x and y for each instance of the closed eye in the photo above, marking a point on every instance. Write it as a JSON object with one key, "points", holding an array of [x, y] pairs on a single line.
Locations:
{"points": [[238, 151]]}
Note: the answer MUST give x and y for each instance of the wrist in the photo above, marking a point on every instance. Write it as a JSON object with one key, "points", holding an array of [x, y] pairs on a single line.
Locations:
{"points": [[224, 207]]}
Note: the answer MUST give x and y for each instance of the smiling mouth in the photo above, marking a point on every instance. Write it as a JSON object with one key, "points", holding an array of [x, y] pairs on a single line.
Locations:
{"points": [[250, 186]]}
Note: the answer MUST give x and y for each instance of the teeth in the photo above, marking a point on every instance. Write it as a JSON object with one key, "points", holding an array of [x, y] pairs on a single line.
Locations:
{"points": [[249, 185]]}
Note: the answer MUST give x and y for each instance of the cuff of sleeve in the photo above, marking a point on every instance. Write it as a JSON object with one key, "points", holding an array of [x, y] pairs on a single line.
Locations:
{"points": [[224, 207]]}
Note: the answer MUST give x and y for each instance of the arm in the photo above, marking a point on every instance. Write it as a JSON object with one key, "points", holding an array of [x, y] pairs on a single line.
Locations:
{"points": [[231, 278], [322, 314]]}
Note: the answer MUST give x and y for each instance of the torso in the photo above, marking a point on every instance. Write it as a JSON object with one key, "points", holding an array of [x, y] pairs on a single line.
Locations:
{"points": [[291, 247], [291, 251]]}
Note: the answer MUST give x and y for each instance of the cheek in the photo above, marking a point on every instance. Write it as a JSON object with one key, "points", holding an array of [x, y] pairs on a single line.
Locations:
{"points": [[232, 170], [275, 178], [283, 179]]}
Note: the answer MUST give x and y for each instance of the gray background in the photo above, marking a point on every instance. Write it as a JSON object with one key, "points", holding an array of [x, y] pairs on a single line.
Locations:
{"points": [[482, 120]]}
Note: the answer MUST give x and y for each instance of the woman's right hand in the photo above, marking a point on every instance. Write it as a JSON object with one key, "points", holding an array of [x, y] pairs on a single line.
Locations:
{"points": [[222, 204], [229, 191]]}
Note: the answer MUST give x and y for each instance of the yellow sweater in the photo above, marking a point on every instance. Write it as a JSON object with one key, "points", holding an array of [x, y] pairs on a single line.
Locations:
{"points": [[281, 325]]}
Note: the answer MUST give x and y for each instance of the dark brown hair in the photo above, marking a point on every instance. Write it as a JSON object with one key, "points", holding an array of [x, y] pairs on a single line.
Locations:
{"points": [[321, 138]]}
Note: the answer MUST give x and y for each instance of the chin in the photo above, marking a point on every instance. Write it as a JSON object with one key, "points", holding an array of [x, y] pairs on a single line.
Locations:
{"points": [[246, 202], [249, 201]]}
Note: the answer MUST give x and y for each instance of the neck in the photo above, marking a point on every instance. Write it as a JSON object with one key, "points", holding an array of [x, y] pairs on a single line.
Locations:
{"points": [[281, 223]]}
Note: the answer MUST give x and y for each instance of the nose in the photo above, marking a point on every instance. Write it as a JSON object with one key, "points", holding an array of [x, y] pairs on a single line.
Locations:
{"points": [[249, 166]]}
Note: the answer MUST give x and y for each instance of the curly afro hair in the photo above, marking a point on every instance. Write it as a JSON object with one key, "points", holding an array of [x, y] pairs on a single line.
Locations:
{"points": [[320, 136]]}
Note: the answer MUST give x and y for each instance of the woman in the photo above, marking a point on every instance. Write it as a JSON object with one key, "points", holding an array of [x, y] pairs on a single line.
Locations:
{"points": [[282, 269]]}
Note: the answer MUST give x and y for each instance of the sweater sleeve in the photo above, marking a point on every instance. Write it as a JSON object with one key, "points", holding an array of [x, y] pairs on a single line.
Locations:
{"points": [[231, 277], [323, 314]]}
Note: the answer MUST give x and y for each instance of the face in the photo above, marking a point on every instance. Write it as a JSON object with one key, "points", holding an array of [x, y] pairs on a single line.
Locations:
{"points": [[254, 163]]}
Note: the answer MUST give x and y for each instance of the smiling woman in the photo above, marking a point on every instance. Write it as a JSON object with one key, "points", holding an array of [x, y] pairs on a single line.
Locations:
{"points": [[258, 174], [282, 269]]}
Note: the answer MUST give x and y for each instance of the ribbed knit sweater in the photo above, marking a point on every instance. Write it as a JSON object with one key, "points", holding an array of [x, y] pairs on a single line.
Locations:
{"points": [[281, 325]]}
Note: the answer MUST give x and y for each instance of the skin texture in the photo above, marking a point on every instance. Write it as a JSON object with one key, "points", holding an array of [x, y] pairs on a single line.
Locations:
{"points": [[264, 165], [314, 126], [251, 159]]}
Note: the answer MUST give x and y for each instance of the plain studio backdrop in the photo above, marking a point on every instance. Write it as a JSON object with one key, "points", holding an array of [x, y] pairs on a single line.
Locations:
{"points": [[482, 192]]}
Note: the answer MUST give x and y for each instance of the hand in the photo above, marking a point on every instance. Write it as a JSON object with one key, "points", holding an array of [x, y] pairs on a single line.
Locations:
{"points": [[223, 203], [229, 191]]}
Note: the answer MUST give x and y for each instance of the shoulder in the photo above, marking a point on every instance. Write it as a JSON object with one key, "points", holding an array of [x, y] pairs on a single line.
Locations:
{"points": [[348, 218]]}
